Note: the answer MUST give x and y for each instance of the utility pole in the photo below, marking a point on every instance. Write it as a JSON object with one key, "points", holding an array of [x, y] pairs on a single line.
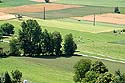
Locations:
{"points": [[94, 20], [44, 14]]}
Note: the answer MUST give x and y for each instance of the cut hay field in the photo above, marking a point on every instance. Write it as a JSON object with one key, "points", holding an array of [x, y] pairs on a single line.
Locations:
{"points": [[48, 70]]}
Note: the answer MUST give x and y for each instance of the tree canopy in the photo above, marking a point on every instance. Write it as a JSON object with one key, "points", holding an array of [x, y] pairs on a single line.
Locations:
{"points": [[87, 71], [7, 29]]}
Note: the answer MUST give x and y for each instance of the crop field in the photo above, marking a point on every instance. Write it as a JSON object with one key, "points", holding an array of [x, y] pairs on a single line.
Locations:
{"points": [[70, 12], [67, 16]]}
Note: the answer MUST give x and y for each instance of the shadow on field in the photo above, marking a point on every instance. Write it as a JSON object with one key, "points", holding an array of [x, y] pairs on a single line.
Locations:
{"points": [[51, 56]]}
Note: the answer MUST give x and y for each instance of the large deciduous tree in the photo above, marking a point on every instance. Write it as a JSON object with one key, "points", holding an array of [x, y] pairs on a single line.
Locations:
{"points": [[14, 47], [105, 78], [69, 45], [57, 40], [7, 29], [6, 78], [99, 67], [91, 77], [17, 76], [48, 46], [80, 69], [119, 77], [30, 37]]}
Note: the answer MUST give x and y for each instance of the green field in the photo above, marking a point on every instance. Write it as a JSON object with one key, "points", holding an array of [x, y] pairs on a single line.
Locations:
{"points": [[99, 40], [48, 70], [108, 3], [13, 3], [71, 12], [90, 39]]}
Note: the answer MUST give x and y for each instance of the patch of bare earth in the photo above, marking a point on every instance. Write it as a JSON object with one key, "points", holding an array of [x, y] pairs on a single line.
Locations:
{"points": [[4, 16], [43, 0], [108, 18], [36, 8]]}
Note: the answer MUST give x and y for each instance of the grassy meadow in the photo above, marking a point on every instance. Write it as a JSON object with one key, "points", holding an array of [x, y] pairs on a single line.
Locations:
{"points": [[92, 40], [48, 70], [13, 3], [107, 3]]}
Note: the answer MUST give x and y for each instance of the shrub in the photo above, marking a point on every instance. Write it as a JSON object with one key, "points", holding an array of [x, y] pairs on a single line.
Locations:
{"points": [[69, 45], [116, 10], [14, 47], [47, 1], [123, 30], [17, 75], [80, 68], [0, 1], [5, 78], [7, 29]]}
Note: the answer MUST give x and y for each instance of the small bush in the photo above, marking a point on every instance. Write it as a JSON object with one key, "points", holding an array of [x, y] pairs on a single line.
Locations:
{"points": [[123, 30], [47, 1], [7, 29], [17, 76], [3, 55], [0, 1], [116, 10]]}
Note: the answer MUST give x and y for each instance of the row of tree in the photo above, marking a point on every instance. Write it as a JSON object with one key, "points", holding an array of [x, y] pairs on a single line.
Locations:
{"points": [[97, 72], [35, 42], [16, 77]]}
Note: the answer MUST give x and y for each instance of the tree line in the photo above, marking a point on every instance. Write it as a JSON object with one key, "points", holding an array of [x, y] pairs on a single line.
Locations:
{"points": [[86, 71], [32, 41]]}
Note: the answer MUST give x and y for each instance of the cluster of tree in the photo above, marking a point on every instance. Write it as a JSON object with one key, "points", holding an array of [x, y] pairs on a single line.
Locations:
{"points": [[6, 29], [16, 77], [35, 42], [97, 72]]}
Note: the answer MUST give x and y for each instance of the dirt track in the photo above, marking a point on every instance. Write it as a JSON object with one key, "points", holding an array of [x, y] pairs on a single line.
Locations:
{"points": [[108, 18], [36, 8]]}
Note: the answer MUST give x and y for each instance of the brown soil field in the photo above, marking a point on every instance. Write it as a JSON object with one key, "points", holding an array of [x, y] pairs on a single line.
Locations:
{"points": [[108, 18], [43, 0], [4, 16], [36, 8]]}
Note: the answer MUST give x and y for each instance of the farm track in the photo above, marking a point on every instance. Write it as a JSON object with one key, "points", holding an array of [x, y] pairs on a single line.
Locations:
{"points": [[107, 59]]}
